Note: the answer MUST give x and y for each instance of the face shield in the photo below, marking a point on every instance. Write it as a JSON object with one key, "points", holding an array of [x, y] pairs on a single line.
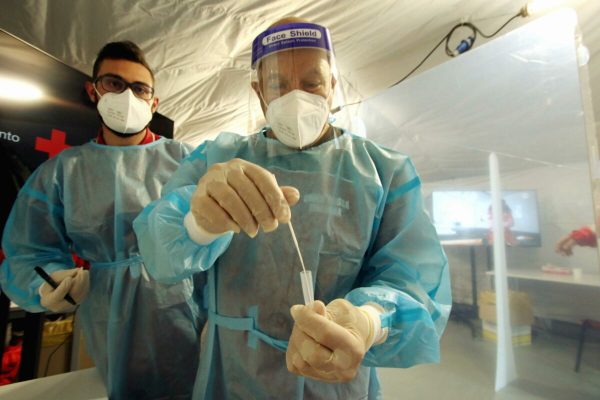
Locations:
{"points": [[295, 78]]}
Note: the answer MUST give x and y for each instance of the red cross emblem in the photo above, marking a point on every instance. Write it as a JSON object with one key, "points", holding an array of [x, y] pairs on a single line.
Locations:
{"points": [[54, 145]]}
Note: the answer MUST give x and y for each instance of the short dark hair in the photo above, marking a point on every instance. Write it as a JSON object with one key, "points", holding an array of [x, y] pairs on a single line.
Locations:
{"points": [[125, 50]]}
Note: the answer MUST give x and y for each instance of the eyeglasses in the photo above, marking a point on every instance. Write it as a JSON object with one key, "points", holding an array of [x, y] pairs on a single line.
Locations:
{"points": [[115, 84]]}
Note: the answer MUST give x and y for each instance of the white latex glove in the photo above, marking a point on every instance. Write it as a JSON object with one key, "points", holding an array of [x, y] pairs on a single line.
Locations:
{"points": [[329, 343], [239, 195], [74, 281]]}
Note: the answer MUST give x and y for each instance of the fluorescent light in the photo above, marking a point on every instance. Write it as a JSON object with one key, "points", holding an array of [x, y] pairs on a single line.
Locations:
{"points": [[537, 7], [19, 90]]}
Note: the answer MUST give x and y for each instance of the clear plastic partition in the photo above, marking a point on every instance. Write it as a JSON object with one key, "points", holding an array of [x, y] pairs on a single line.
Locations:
{"points": [[524, 97]]}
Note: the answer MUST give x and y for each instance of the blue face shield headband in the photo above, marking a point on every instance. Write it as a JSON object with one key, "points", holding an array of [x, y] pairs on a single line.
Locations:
{"points": [[290, 36]]}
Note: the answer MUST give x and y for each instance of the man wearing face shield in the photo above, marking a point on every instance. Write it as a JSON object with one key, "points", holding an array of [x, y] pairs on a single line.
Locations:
{"points": [[380, 275], [142, 335]]}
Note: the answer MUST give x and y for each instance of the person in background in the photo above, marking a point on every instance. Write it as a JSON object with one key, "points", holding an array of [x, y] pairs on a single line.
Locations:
{"points": [[507, 221], [142, 335], [584, 236], [380, 275]]}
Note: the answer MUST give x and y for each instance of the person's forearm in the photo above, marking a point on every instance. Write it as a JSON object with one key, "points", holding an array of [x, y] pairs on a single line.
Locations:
{"points": [[585, 237], [169, 253]]}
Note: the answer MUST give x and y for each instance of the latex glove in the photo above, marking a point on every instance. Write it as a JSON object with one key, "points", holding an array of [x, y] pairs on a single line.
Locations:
{"points": [[74, 281], [239, 195], [329, 343]]}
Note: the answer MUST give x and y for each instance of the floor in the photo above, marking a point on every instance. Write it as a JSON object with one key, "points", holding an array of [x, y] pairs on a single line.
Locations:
{"points": [[84, 384], [467, 371]]}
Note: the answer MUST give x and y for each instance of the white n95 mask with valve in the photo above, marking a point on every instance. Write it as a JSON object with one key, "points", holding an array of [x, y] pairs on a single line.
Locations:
{"points": [[297, 118]]}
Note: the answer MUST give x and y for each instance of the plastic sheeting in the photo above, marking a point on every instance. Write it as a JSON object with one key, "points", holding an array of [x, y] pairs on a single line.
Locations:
{"points": [[518, 96], [523, 96]]}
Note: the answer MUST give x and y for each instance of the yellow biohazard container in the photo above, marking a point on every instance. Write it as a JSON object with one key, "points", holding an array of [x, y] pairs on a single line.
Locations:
{"points": [[521, 316], [55, 352]]}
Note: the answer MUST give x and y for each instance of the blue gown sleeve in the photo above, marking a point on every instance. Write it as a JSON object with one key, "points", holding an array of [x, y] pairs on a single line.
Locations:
{"points": [[168, 252], [34, 235], [189, 171], [405, 272]]}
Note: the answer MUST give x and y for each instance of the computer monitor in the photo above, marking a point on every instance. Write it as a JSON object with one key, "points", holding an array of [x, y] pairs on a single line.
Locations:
{"points": [[466, 214]]}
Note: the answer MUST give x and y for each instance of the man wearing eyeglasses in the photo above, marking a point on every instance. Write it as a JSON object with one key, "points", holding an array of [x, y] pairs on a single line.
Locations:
{"points": [[142, 335], [122, 89]]}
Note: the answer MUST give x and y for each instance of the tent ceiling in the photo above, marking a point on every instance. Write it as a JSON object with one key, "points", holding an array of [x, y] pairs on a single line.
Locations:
{"points": [[200, 50]]}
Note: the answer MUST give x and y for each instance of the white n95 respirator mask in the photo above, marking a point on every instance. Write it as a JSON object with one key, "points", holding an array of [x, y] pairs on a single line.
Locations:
{"points": [[297, 118], [123, 112]]}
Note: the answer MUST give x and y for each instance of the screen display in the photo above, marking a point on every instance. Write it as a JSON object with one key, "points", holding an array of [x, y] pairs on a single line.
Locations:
{"points": [[467, 215]]}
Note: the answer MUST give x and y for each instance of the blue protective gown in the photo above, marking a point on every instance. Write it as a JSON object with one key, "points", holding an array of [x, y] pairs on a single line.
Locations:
{"points": [[363, 233], [143, 335]]}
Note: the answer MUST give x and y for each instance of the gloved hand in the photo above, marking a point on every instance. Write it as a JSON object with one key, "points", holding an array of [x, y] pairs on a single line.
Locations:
{"points": [[239, 195], [329, 343], [74, 281]]}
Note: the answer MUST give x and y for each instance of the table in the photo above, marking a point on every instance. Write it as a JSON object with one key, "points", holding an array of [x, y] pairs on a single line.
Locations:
{"points": [[467, 313], [472, 244], [84, 384], [587, 279]]}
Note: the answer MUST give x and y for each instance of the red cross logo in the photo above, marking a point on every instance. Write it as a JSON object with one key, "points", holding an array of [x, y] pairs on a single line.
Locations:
{"points": [[55, 145]]}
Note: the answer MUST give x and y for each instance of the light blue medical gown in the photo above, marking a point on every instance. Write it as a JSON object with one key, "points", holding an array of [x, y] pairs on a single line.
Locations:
{"points": [[363, 233], [143, 335]]}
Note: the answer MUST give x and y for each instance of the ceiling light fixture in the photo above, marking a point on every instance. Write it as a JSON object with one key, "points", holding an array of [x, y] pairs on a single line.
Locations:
{"points": [[19, 90]]}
